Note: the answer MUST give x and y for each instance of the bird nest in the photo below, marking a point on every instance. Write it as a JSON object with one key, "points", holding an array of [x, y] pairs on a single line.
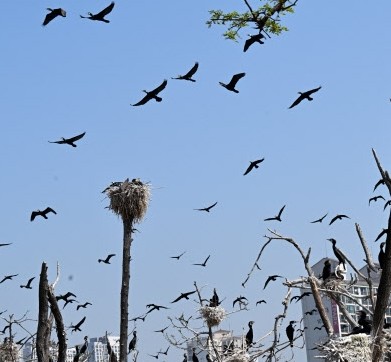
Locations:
{"points": [[213, 316], [333, 283], [237, 357], [354, 348], [129, 199]]}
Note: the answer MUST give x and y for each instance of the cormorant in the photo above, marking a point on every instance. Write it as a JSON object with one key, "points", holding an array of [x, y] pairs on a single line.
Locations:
{"points": [[277, 217], [83, 305], [8, 277], [338, 217], [153, 94], [100, 16], [183, 295], [178, 256], [42, 213], [28, 285], [337, 253], [250, 335], [204, 263], [69, 141], [304, 95], [207, 209], [290, 330], [257, 38], [252, 165], [231, 85], [382, 255], [319, 220], [375, 198], [133, 342], [53, 14], [273, 278], [107, 260], [189, 74], [76, 327], [214, 301], [326, 269]]}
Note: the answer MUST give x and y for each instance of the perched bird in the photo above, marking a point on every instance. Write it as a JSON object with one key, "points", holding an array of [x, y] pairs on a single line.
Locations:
{"points": [[69, 141], [183, 295], [260, 302], [304, 95], [8, 277], [338, 253], [42, 213], [161, 330], [257, 38], [20, 342], [204, 263], [290, 330], [241, 301], [253, 164], [84, 347], [326, 269], [375, 198], [28, 285], [194, 357], [382, 233], [277, 217], [53, 14], [380, 182], [382, 255], [249, 335], [83, 305], [100, 16], [107, 260], [299, 297], [77, 326], [208, 358], [65, 296], [319, 220], [184, 357], [338, 217], [153, 94], [207, 209], [189, 74], [273, 278], [132, 343], [178, 256], [214, 301], [231, 85]]}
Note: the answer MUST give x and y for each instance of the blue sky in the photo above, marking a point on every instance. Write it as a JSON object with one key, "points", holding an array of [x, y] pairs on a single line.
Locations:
{"points": [[76, 75]]}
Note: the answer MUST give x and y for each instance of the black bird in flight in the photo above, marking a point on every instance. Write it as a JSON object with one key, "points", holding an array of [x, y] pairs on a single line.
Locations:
{"points": [[250, 335], [189, 74], [69, 141], [338, 217], [337, 253], [83, 305], [257, 38], [273, 278], [165, 352], [298, 297], [304, 95], [207, 209], [253, 164], [100, 16], [53, 14], [155, 307], [204, 263], [319, 220], [5, 244], [383, 232], [8, 277], [154, 355], [69, 301], [161, 330], [239, 299], [107, 260], [311, 312], [5, 328], [260, 302], [277, 217], [153, 94], [183, 295], [319, 328], [65, 296], [375, 198], [28, 285], [380, 182], [388, 203], [178, 256], [382, 256], [290, 330], [132, 343], [231, 85], [77, 326], [42, 213]]}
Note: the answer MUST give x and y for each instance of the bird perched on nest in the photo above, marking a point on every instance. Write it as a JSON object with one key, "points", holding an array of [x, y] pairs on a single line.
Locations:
{"points": [[338, 253], [214, 301], [100, 16], [53, 14], [249, 335]]}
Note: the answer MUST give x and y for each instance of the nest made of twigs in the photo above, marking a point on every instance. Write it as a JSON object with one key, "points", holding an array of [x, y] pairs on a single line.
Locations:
{"points": [[237, 357], [212, 316], [129, 199]]}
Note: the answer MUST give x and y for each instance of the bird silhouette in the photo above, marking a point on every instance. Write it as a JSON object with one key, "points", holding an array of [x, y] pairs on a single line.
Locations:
{"points": [[189, 74], [382, 256], [83, 305], [207, 209], [8, 277], [253, 164], [28, 285], [132, 343], [107, 260], [239, 299], [277, 217], [375, 198], [214, 301], [155, 307], [165, 352], [5, 244], [319, 220], [53, 14], [304, 95], [100, 16], [65, 296], [231, 85], [311, 312], [153, 94], [204, 263], [388, 203], [326, 272], [84, 347], [5, 328], [257, 38], [178, 256], [154, 355], [337, 253], [380, 182], [290, 330], [383, 232], [250, 335], [338, 217], [271, 278], [69, 141], [260, 302], [42, 213], [77, 326], [299, 297], [183, 295], [161, 330], [194, 357], [69, 301]]}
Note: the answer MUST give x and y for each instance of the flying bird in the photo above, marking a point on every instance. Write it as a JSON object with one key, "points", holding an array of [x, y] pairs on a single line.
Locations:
{"points": [[183, 295], [380, 182], [42, 213], [65, 296], [189, 74], [8, 277], [53, 14], [250, 335], [257, 38], [273, 278], [100, 16], [382, 256], [388, 203], [231, 85], [304, 95], [260, 302], [319, 220], [83, 305], [165, 352], [69, 141], [299, 297], [28, 285], [69, 301], [338, 253], [153, 94], [239, 299], [161, 330], [207, 209], [178, 256], [107, 260], [375, 198], [133, 342], [383, 232], [154, 355], [204, 263], [310, 312], [277, 217], [338, 217], [253, 164], [290, 330], [77, 326], [155, 307]]}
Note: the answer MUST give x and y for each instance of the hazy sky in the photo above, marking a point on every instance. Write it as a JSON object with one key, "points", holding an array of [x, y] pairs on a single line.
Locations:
{"points": [[77, 76]]}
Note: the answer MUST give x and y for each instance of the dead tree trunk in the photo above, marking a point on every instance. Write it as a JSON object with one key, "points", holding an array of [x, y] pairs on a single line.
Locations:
{"points": [[43, 331]]}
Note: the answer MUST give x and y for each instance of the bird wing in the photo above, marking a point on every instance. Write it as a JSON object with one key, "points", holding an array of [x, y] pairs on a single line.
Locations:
{"points": [[30, 280], [282, 209], [106, 10], [5, 244], [178, 299], [33, 215], [236, 78], [312, 91], [209, 207], [297, 101], [76, 138], [80, 323], [160, 88], [49, 209], [270, 218], [248, 43], [109, 257], [206, 259], [49, 17], [249, 168], [192, 71], [144, 100]]}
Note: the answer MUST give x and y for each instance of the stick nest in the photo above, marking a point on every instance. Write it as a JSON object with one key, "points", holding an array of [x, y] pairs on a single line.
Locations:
{"points": [[129, 199], [213, 316], [237, 357]]}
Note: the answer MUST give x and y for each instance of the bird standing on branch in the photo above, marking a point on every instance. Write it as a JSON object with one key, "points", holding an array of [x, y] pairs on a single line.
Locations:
{"points": [[290, 330]]}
